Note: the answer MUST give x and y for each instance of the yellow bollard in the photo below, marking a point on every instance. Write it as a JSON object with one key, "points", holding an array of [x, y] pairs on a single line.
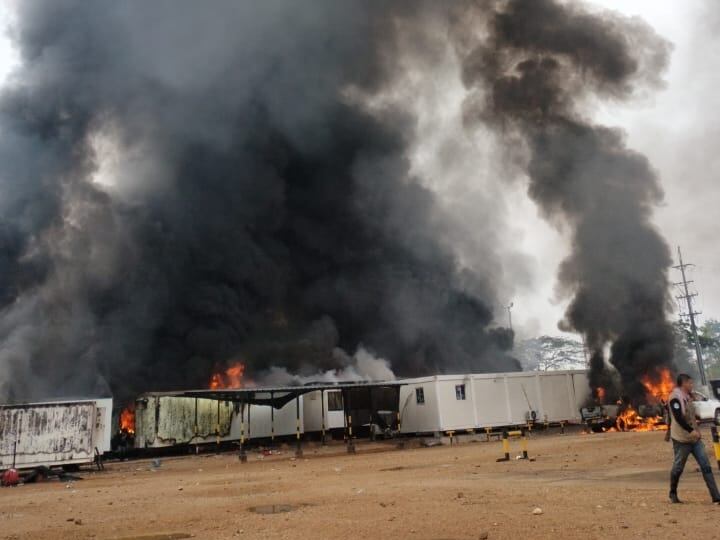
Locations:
{"points": [[524, 445], [716, 444], [521, 434]]}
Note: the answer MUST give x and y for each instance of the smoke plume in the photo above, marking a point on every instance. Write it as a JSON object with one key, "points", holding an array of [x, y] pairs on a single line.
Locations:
{"points": [[361, 366], [184, 185], [534, 67]]}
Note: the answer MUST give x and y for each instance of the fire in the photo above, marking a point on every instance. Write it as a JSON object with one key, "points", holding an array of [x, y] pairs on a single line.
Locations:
{"points": [[630, 420], [658, 388], [127, 419], [232, 377]]}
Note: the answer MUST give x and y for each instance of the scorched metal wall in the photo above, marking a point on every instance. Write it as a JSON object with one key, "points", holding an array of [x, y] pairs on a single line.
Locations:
{"points": [[54, 433]]}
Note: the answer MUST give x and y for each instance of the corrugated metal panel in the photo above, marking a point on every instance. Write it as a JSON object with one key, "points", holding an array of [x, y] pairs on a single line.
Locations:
{"points": [[163, 420], [47, 434]]}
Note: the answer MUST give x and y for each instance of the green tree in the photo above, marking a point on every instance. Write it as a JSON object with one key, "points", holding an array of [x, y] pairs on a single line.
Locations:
{"points": [[548, 353], [709, 338]]}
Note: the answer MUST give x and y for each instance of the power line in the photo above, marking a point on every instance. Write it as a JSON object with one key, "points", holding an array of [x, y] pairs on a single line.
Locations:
{"points": [[690, 314]]}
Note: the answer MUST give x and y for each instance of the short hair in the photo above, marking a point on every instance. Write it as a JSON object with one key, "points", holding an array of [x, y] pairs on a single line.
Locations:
{"points": [[682, 378]]}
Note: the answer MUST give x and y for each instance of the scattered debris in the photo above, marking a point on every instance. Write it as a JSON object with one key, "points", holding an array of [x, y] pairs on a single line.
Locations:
{"points": [[430, 443], [273, 508], [160, 536]]}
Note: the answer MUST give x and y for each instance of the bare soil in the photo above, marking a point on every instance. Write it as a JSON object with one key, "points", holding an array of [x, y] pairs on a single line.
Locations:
{"points": [[611, 485]]}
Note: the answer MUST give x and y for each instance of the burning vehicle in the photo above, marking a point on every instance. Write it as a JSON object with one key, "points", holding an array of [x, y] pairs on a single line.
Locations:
{"points": [[649, 414], [626, 414]]}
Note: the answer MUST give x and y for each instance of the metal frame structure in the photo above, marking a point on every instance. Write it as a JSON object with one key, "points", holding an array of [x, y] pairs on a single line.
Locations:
{"points": [[279, 396]]}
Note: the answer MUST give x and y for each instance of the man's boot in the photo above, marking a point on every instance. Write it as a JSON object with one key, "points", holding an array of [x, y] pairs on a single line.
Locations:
{"points": [[674, 480], [711, 485]]}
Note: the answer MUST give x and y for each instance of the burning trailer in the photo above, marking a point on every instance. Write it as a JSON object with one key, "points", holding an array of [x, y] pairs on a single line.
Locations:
{"points": [[222, 416], [46, 435], [443, 403], [164, 419]]}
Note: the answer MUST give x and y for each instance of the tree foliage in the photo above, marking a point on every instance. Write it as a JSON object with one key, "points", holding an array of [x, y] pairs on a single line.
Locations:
{"points": [[549, 353]]}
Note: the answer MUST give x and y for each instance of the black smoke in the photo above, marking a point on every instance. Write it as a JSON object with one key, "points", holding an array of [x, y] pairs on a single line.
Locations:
{"points": [[186, 184], [534, 66]]}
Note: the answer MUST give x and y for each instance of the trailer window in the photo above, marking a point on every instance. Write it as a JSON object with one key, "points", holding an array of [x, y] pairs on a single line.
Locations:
{"points": [[420, 396], [335, 401], [460, 392]]}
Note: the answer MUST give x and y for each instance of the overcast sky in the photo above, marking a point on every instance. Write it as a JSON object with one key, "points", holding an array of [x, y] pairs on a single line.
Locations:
{"points": [[677, 128]]}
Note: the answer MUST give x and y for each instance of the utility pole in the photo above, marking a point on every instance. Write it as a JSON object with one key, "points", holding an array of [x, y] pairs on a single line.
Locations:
{"points": [[509, 307], [691, 315]]}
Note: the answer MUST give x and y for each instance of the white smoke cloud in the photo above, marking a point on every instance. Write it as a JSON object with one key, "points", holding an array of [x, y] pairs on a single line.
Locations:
{"points": [[361, 366]]}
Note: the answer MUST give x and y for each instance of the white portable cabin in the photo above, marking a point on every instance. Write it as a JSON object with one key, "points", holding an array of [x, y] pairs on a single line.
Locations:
{"points": [[329, 402], [262, 422], [459, 402], [54, 433]]}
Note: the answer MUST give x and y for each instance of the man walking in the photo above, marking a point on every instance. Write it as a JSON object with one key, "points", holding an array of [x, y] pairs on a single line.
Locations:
{"points": [[686, 438]]}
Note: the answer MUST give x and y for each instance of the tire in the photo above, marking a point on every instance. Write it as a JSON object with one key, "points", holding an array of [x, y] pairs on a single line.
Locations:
{"points": [[717, 417], [40, 474]]}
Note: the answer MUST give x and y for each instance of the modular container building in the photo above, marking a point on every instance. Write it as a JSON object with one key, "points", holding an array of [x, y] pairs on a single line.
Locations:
{"points": [[444, 403], [165, 419], [333, 417], [376, 405], [54, 433]]}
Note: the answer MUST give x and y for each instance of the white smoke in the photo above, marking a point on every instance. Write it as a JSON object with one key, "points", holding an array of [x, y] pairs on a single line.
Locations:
{"points": [[361, 366]]}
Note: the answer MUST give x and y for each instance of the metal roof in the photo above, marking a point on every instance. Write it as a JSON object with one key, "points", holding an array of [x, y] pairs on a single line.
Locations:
{"points": [[277, 396]]}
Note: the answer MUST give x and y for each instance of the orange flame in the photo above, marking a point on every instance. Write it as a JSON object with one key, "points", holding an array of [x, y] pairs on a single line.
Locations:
{"points": [[232, 377], [127, 419], [658, 385], [630, 420]]}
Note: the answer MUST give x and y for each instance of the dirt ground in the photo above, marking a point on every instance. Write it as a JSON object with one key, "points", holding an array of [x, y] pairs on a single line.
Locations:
{"points": [[611, 485]]}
